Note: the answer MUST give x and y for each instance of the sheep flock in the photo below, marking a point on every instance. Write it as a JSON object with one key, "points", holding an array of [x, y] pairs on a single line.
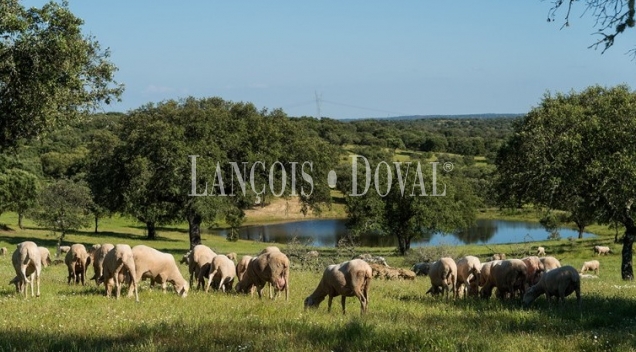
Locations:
{"points": [[121, 265]]}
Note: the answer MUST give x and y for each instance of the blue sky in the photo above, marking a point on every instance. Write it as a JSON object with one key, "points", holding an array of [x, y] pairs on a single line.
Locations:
{"points": [[361, 58]]}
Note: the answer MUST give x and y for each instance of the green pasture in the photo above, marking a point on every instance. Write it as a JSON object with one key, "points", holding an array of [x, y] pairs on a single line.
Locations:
{"points": [[400, 318]]}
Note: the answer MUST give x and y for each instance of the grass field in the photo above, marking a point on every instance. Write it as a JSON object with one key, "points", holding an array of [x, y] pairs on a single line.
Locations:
{"points": [[400, 318]]}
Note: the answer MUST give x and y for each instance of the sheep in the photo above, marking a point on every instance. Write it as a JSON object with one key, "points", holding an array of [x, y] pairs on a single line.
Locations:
{"points": [[312, 254], [27, 262], [559, 282], [602, 250], [117, 263], [348, 279], [498, 256], [419, 268], [232, 257], [267, 267], [535, 269], [541, 252], [223, 271], [4, 251], [98, 261], [151, 263], [468, 268], [76, 260], [443, 275], [592, 265], [92, 249], [45, 256], [484, 278], [199, 263], [508, 276], [62, 250], [186, 258], [550, 263]]}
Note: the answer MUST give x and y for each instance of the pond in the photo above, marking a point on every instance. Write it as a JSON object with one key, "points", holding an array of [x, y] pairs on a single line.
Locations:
{"points": [[327, 232]]}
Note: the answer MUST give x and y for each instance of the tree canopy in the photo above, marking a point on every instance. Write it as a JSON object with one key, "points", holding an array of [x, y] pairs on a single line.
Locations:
{"points": [[50, 73], [576, 152]]}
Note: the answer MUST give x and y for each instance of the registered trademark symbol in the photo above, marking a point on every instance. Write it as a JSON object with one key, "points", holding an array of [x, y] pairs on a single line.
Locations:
{"points": [[448, 166]]}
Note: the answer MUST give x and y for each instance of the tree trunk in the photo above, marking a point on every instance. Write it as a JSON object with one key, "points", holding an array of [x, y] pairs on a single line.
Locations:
{"points": [[20, 217], [627, 270], [96, 222], [581, 229], [194, 229], [404, 244], [152, 231]]}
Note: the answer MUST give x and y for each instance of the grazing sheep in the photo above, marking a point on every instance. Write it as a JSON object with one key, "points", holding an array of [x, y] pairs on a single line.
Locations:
{"points": [[508, 276], [186, 258], [199, 264], [270, 249], [348, 279], [232, 257], [602, 250], [92, 249], [77, 259], [118, 263], [468, 268], [27, 262], [4, 251], [267, 267], [541, 252], [222, 273], [151, 263], [62, 250], [559, 282], [45, 256], [421, 269], [443, 275], [484, 277], [498, 256], [98, 261], [535, 269], [241, 267], [592, 265], [550, 263]]}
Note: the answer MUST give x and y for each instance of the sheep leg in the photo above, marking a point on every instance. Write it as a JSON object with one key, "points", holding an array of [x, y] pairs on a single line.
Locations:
{"points": [[37, 278], [329, 303], [207, 287], [342, 300]]}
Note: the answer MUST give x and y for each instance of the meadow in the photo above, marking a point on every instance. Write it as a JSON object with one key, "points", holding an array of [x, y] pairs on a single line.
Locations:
{"points": [[400, 318]]}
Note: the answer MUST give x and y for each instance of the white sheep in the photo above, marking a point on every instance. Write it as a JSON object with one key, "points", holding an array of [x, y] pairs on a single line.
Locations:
{"points": [[45, 259], [232, 257], [559, 282], [443, 275], [151, 263], [98, 261], [77, 259], [550, 263], [468, 268], [27, 262], [223, 272], [592, 265], [602, 250], [498, 256], [348, 279], [4, 251], [272, 268], [541, 252], [118, 263], [508, 276], [534, 269], [199, 263], [62, 250]]}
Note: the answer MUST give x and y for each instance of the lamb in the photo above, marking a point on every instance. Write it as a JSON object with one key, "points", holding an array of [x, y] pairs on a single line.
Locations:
{"points": [[223, 272], [443, 275], [592, 265], [27, 262], [98, 261], [199, 263], [77, 259], [151, 263], [117, 263], [498, 256], [602, 250], [4, 251], [535, 269], [508, 276], [468, 268], [348, 279], [62, 250], [550, 263], [541, 252], [559, 282], [267, 267]]}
